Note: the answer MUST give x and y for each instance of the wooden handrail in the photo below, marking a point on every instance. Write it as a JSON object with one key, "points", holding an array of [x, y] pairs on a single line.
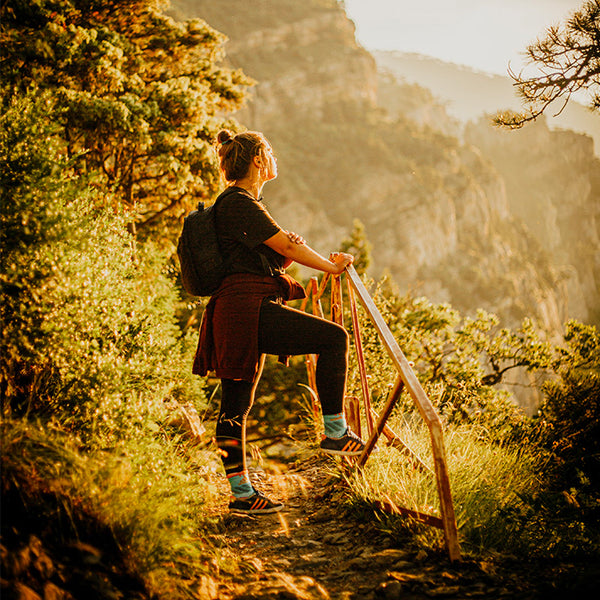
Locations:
{"points": [[406, 380], [408, 376], [425, 408]]}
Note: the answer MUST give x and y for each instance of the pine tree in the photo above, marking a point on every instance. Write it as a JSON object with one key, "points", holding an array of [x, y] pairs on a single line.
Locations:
{"points": [[568, 60], [359, 246], [140, 96]]}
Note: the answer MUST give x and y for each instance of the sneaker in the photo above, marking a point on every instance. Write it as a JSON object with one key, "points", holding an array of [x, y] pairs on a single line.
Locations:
{"points": [[255, 505], [348, 445]]}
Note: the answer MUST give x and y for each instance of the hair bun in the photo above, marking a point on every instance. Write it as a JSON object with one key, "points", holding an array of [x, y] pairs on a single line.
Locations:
{"points": [[224, 136]]}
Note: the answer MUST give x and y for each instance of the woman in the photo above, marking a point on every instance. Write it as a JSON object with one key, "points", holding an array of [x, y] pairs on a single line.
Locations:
{"points": [[247, 317]]}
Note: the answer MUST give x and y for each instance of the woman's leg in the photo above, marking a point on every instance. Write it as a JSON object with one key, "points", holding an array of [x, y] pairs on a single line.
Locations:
{"points": [[237, 397], [284, 330]]}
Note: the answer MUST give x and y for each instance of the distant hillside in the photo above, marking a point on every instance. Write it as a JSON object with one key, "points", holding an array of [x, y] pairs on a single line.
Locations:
{"points": [[352, 144], [468, 94]]}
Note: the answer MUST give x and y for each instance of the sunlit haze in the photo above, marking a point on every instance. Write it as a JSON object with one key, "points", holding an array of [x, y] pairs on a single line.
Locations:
{"points": [[483, 34]]}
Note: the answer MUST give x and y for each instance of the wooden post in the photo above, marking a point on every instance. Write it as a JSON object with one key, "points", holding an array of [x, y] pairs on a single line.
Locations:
{"points": [[337, 314], [360, 357], [406, 378], [316, 298], [383, 417], [324, 281], [353, 414]]}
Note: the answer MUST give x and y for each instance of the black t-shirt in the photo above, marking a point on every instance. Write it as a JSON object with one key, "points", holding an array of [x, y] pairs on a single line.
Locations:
{"points": [[243, 224]]}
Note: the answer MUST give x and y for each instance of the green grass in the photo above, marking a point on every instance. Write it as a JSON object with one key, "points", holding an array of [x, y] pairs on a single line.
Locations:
{"points": [[151, 494], [490, 484]]}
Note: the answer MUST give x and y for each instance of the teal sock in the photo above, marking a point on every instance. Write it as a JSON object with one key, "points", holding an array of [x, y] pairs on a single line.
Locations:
{"points": [[240, 484], [335, 425]]}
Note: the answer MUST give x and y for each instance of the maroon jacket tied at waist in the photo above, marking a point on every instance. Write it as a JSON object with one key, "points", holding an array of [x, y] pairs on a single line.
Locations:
{"points": [[228, 341]]}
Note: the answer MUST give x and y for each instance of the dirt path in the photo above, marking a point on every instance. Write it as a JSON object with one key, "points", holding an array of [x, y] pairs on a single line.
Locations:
{"points": [[316, 550]]}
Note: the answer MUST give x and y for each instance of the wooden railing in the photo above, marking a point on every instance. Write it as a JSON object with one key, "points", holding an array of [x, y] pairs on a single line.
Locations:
{"points": [[376, 424]]}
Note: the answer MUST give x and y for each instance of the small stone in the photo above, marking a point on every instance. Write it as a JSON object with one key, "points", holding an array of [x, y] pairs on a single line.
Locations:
{"points": [[185, 416], [53, 592], [322, 515], [404, 576], [19, 561], [444, 590], [283, 586], [388, 556], [22, 592], [207, 589], [368, 552], [282, 562], [390, 590], [358, 563], [255, 564], [89, 554], [44, 566], [35, 545], [337, 538]]}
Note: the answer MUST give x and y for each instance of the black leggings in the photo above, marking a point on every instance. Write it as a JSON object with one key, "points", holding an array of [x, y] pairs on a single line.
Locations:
{"points": [[284, 331]]}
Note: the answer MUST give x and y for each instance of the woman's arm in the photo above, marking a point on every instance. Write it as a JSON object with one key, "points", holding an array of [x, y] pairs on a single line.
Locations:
{"points": [[302, 253], [297, 239]]}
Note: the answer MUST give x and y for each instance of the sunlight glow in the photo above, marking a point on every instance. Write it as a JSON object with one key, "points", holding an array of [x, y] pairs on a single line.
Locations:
{"points": [[483, 35]]}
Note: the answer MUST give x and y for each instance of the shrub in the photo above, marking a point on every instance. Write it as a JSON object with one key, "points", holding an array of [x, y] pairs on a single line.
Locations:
{"points": [[569, 416], [88, 332], [90, 352], [145, 500], [460, 361]]}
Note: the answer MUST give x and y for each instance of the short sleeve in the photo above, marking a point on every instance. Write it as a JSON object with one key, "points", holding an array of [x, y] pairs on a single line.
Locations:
{"points": [[247, 221]]}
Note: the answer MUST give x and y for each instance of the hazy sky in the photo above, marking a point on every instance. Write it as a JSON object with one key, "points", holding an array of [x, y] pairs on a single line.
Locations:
{"points": [[483, 34]]}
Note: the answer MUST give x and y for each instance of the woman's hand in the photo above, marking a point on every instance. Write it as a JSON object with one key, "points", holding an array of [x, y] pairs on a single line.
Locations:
{"points": [[341, 260]]}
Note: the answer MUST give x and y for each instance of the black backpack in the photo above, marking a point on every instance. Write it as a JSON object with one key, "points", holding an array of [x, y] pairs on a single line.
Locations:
{"points": [[203, 267]]}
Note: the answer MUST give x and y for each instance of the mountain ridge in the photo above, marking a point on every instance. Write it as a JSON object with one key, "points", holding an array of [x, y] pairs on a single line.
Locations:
{"points": [[467, 93], [434, 207]]}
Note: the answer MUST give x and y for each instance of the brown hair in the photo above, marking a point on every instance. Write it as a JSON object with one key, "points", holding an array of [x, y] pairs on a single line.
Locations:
{"points": [[237, 151]]}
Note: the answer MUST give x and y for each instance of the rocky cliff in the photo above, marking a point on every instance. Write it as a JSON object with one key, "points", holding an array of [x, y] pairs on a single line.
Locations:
{"points": [[442, 214], [553, 185]]}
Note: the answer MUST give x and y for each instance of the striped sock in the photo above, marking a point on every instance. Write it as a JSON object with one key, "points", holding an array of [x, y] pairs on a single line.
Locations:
{"points": [[240, 484], [335, 425]]}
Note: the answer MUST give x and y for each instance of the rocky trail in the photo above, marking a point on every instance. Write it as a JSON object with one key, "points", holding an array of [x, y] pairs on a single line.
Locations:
{"points": [[319, 549]]}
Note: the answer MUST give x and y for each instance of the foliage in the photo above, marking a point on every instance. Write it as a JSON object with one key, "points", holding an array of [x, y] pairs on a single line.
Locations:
{"points": [[460, 361], [522, 486], [569, 61], [87, 326], [570, 414], [486, 478], [90, 345], [90, 356], [359, 246], [140, 96], [150, 494], [498, 489]]}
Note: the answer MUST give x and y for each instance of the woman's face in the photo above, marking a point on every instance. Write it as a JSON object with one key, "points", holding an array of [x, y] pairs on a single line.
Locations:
{"points": [[269, 161]]}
